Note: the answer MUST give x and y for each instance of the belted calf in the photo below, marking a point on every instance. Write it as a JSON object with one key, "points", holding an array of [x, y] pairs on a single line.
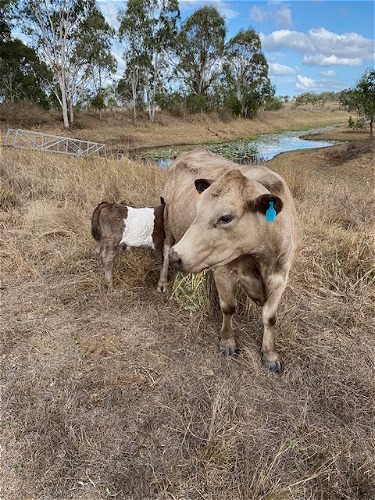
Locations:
{"points": [[116, 227], [239, 221]]}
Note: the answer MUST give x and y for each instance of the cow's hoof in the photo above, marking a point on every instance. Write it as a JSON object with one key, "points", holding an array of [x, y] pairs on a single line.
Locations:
{"points": [[275, 366], [271, 361], [229, 351], [162, 287]]}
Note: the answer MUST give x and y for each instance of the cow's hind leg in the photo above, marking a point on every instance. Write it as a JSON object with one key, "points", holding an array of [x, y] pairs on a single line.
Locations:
{"points": [[275, 285], [108, 253], [225, 281]]}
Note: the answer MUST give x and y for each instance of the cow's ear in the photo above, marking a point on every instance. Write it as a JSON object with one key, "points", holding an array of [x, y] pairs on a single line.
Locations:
{"points": [[202, 184], [262, 203]]}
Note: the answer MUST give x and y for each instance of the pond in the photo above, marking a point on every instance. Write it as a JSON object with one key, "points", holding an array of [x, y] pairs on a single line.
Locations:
{"points": [[259, 150]]}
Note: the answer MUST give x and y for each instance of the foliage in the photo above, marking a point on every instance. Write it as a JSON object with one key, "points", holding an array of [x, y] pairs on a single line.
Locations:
{"points": [[356, 124], [273, 104], [57, 30], [148, 30], [306, 98], [362, 97], [314, 100], [93, 50], [22, 75], [98, 102], [246, 73], [199, 49], [7, 9]]}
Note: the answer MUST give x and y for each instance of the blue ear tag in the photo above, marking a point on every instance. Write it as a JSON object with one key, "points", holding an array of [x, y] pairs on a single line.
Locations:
{"points": [[271, 213]]}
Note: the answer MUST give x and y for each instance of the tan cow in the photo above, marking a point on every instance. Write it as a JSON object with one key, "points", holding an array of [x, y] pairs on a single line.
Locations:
{"points": [[215, 218], [116, 227]]}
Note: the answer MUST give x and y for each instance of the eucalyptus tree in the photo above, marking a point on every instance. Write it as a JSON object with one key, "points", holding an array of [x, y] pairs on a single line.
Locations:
{"points": [[92, 55], [306, 98], [7, 9], [5, 29], [362, 97], [22, 74], [133, 33], [55, 28], [246, 71], [148, 30], [199, 51]]}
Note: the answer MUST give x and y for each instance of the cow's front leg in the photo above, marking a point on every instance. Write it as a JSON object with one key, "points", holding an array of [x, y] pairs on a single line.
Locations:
{"points": [[275, 287], [225, 281]]}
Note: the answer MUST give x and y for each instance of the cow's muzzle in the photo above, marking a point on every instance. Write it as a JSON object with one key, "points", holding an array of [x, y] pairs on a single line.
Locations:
{"points": [[174, 259]]}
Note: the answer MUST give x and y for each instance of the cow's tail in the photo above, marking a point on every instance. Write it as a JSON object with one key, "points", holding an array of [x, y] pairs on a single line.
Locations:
{"points": [[95, 225]]}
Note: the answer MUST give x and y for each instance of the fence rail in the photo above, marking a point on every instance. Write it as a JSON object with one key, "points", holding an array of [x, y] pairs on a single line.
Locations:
{"points": [[18, 138]]}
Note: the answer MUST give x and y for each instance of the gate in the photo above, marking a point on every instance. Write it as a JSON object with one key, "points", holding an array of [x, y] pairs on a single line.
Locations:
{"points": [[39, 141]]}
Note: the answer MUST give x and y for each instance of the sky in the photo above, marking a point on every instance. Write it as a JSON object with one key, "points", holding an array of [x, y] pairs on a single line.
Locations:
{"points": [[310, 45]]}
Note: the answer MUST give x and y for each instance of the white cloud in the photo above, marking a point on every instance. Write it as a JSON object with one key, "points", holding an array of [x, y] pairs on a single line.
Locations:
{"points": [[305, 83], [258, 15], [223, 7], [330, 73], [276, 69], [321, 60], [281, 15], [321, 47]]}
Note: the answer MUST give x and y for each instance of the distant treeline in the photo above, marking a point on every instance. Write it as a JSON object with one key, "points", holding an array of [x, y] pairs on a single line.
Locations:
{"points": [[184, 66]]}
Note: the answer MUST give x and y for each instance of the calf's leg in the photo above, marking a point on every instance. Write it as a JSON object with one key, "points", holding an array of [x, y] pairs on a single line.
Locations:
{"points": [[108, 253], [163, 278]]}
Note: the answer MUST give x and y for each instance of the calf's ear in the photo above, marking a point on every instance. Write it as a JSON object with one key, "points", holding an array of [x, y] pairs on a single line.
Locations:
{"points": [[262, 203], [202, 184]]}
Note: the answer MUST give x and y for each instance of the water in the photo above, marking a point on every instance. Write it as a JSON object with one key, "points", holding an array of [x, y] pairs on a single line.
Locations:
{"points": [[270, 145], [267, 146]]}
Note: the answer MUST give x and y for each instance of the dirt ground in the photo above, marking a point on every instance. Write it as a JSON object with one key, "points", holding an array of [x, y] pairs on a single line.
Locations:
{"points": [[124, 395]]}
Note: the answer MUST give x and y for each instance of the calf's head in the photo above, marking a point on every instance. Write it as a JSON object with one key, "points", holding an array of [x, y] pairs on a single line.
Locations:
{"points": [[230, 221]]}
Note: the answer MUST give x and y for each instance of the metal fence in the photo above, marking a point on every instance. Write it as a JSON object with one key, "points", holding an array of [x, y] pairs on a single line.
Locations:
{"points": [[18, 138]]}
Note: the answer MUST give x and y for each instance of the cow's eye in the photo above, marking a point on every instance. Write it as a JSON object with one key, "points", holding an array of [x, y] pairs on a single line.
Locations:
{"points": [[225, 219]]}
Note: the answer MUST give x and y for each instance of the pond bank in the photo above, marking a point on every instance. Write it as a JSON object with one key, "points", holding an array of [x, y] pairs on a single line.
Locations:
{"points": [[245, 151], [168, 131]]}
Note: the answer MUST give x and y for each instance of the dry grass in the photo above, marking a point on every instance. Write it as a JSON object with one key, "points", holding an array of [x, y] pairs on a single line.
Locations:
{"points": [[124, 395]]}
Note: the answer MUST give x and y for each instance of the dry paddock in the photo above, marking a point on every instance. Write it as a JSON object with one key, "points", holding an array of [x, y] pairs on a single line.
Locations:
{"points": [[124, 395]]}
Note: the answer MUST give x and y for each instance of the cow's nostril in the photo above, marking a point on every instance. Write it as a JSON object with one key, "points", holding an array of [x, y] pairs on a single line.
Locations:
{"points": [[175, 259]]}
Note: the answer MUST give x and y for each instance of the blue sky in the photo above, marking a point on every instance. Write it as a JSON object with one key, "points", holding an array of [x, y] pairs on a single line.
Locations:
{"points": [[310, 45]]}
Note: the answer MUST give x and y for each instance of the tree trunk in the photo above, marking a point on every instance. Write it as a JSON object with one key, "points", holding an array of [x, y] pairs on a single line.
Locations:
{"points": [[148, 98], [64, 104], [134, 103], [154, 87], [71, 112]]}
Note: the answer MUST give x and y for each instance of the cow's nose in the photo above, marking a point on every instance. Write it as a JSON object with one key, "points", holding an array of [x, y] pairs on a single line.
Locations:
{"points": [[175, 259]]}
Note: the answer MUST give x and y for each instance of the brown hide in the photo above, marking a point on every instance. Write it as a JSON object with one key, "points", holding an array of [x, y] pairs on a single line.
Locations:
{"points": [[108, 223]]}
